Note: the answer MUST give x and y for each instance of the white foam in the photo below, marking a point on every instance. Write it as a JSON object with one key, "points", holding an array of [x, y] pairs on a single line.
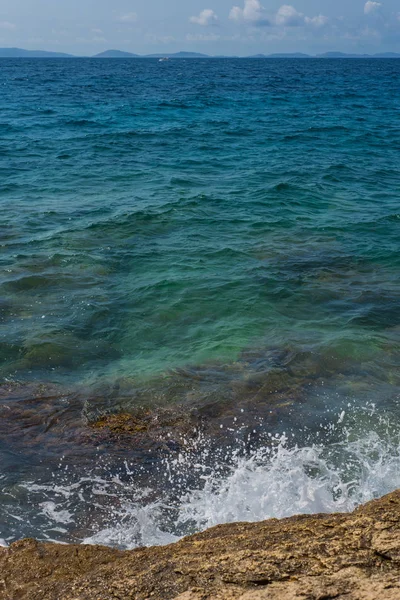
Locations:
{"points": [[56, 514], [287, 482], [196, 489], [273, 482]]}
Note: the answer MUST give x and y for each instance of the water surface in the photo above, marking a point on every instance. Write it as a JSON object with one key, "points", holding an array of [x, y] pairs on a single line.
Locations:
{"points": [[191, 232]]}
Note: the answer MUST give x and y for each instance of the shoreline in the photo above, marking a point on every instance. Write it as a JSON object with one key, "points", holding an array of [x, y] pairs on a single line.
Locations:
{"points": [[186, 467], [354, 556]]}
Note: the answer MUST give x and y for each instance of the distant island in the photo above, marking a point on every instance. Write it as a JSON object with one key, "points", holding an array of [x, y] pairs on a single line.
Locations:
{"points": [[282, 55], [343, 55], [115, 54], [21, 53], [179, 55]]}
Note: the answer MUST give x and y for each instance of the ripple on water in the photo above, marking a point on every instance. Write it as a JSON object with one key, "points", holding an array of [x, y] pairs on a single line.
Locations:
{"points": [[177, 250]]}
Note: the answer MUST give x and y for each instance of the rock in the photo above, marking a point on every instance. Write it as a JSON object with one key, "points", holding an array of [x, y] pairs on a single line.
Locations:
{"points": [[351, 556], [121, 424]]}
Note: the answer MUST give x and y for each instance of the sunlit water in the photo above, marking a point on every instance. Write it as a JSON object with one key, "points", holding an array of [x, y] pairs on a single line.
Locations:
{"points": [[175, 233]]}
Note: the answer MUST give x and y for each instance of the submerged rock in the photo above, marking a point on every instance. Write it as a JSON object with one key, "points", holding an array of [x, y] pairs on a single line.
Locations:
{"points": [[351, 556], [121, 424]]}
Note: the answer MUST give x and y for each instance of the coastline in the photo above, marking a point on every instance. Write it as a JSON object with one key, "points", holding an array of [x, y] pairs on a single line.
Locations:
{"points": [[354, 556], [200, 322], [157, 473]]}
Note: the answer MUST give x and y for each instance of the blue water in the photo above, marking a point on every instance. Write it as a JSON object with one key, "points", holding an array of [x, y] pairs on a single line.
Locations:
{"points": [[196, 218]]}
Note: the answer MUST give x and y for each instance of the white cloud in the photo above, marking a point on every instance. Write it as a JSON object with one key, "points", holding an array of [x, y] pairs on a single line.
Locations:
{"points": [[236, 13], [128, 18], [371, 7], [318, 21], [206, 17], [288, 16], [7, 25], [252, 12]]}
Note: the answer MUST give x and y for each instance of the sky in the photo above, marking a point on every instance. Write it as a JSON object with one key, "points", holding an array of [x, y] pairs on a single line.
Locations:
{"points": [[233, 27]]}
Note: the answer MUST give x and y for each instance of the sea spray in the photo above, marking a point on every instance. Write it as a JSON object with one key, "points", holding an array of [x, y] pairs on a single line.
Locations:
{"points": [[350, 459]]}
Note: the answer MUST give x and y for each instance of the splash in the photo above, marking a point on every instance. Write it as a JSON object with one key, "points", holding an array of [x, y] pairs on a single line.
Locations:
{"points": [[350, 460], [276, 481]]}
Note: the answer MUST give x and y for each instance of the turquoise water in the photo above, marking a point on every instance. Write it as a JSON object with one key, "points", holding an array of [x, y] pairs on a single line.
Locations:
{"points": [[197, 218], [160, 215]]}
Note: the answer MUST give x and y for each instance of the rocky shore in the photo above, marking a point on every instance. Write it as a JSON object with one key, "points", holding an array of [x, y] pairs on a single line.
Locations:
{"points": [[320, 557]]}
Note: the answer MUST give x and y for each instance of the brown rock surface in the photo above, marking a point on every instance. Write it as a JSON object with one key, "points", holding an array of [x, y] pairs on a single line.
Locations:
{"points": [[318, 557]]}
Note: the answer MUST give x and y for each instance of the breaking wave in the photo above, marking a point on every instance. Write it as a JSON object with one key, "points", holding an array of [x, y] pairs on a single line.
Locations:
{"points": [[352, 460]]}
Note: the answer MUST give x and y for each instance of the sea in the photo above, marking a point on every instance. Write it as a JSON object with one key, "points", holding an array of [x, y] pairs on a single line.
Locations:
{"points": [[209, 248]]}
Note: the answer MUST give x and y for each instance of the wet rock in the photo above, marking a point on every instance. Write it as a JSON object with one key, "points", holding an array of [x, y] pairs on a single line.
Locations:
{"points": [[353, 556], [157, 429], [121, 424]]}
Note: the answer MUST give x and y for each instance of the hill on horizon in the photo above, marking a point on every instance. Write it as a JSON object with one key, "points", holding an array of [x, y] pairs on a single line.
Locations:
{"points": [[22, 53], [179, 55], [116, 54], [121, 54]]}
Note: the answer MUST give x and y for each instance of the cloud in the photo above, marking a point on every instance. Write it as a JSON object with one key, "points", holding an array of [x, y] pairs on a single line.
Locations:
{"points": [[318, 21], [371, 7], [288, 16], [252, 12], [128, 18], [7, 25], [206, 17]]}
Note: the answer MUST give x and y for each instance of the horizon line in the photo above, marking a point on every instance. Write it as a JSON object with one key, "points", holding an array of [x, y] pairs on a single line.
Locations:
{"points": [[12, 52]]}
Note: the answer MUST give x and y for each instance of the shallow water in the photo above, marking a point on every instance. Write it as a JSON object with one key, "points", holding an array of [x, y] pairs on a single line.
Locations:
{"points": [[220, 235], [354, 457]]}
